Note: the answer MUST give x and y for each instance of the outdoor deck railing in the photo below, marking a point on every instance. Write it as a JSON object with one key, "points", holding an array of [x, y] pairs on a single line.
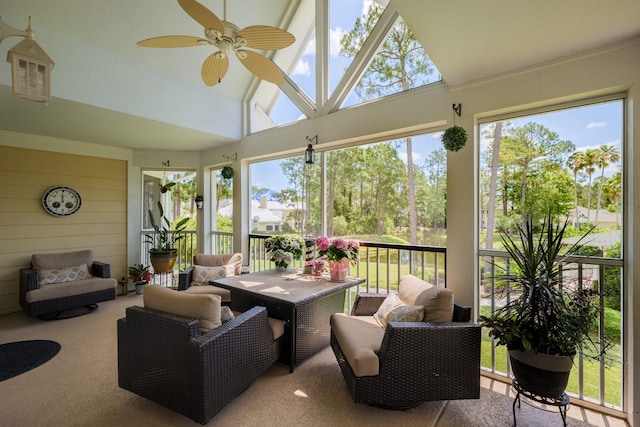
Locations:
{"points": [[598, 382], [380, 264]]}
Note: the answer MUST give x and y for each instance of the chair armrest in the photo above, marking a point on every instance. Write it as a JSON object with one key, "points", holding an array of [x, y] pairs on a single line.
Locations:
{"points": [[454, 343], [101, 269], [184, 279], [28, 280], [367, 304]]}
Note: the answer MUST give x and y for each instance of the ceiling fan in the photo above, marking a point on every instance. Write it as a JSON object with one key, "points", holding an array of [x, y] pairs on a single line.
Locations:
{"points": [[228, 37]]}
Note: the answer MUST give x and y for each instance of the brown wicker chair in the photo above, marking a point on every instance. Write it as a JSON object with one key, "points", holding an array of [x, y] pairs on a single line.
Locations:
{"points": [[418, 361], [165, 358]]}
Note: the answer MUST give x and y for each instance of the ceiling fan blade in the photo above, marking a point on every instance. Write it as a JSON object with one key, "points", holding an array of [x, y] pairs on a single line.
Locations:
{"points": [[214, 68], [265, 37], [173, 41], [261, 66], [202, 15]]}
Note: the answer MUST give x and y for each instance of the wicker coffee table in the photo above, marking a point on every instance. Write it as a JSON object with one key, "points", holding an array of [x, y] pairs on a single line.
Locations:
{"points": [[303, 302]]}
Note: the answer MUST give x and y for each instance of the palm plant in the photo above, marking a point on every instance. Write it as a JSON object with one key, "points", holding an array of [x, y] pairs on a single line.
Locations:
{"points": [[165, 239], [549, 315]]}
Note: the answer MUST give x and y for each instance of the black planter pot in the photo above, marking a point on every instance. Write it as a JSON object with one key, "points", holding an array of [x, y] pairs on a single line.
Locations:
{"points": [[542, 374]]}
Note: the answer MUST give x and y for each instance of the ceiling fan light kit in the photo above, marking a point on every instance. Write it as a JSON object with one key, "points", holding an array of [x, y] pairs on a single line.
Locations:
{"points": [[227, 37]]}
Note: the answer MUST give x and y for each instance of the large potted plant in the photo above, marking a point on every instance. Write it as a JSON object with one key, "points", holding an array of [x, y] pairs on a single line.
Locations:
{"points": [[548, 317], [164, 253]]}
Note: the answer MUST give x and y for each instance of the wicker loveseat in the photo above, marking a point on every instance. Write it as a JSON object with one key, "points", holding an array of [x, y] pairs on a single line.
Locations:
{"points": [[406, 363], [169, 359], [61, 281]]}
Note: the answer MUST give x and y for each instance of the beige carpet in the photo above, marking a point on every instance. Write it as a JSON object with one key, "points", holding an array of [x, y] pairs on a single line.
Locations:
{"points": [[79, 387]]}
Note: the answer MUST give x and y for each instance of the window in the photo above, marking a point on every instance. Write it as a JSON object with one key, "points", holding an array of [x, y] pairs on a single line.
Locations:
{"points": [[568, 163]]}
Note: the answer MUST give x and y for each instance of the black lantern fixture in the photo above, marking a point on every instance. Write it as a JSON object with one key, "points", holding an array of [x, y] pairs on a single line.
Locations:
{"points": [[308, 154], [199, 201]]}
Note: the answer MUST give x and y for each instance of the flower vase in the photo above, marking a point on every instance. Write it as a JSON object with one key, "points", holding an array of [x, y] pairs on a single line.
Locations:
{"points": [[281, 266], [339, 270], [318, 269]]}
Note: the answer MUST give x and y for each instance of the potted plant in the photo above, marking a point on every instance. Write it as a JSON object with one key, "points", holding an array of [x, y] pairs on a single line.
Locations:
{"points": [[284, 249], [548, 318], [227, 172], [454, 138], [164, 253], [339, 253], [140, 275]]}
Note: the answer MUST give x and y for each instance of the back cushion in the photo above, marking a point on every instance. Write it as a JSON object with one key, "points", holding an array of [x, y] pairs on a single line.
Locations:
{"points": [[437, 301], [204, 307], [61, 260]]}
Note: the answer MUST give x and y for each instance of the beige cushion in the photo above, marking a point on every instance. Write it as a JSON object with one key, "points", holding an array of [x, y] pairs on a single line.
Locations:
{"points": [[393, 309], [68, 289], [214, 260], [360, 338], [64, 274], [202, 275], [226, 314], [225, 294], [60, 260], [437, 301], [276, 325], [205, 308]]}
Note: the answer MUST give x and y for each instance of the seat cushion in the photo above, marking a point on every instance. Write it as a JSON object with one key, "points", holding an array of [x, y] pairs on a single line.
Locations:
{"points": [[69, 289], [437, 301], [225, 294], [204, 307], [360, 338], [276, 325]]}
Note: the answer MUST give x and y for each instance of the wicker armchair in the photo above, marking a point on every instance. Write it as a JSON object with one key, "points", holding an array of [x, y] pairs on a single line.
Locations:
{"points": [[165, 358], [210, 267], [418, 361]]}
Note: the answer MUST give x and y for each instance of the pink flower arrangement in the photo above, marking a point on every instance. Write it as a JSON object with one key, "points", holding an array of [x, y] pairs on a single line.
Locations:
{"points": [[336, 249]]}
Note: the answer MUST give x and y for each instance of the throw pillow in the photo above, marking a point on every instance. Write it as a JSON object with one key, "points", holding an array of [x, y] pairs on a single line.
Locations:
{"points": [[393, 309], [202, 275], [61, 275], [226, 314], [406, 313], [204, 307]]}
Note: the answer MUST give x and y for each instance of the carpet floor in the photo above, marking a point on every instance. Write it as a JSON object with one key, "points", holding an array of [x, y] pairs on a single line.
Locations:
{"points": [[79, 387]]}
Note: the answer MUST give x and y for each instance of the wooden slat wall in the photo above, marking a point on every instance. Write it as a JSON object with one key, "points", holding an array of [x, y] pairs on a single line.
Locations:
{"points": [[25, 227]]}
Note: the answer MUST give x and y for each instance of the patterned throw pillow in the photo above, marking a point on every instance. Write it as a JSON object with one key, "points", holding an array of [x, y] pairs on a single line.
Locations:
{"points": [[61, 275], [226, 314], [393, 309], [203, 275]]}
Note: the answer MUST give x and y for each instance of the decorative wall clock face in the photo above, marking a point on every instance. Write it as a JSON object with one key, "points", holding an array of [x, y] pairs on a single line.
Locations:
{"points": [[61, 201]]}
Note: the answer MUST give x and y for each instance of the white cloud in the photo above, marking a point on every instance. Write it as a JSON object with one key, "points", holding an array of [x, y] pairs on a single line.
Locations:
{"points": [[302, 68], [417, 157], [595, 125], [311, 47], [366, 4], [334, 41]]}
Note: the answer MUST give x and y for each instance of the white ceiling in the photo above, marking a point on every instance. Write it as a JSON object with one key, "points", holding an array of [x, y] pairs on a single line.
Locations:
{"points": [[109, 91]]}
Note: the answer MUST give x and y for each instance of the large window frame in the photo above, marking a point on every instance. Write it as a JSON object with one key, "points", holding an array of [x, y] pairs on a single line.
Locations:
{"points": [[495, 363]]}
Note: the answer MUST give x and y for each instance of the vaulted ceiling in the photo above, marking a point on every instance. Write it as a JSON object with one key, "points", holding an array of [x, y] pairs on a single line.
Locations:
{"points": [[107, 90]]}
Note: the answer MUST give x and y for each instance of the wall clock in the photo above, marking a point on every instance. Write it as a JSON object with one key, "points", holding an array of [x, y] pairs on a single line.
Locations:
{"points": [[61, 201]]}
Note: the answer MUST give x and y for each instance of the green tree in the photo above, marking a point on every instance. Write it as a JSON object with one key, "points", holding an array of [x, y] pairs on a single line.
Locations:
{"points": [[576, 163], [400, 64], [606, 155], [532, 150]]}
